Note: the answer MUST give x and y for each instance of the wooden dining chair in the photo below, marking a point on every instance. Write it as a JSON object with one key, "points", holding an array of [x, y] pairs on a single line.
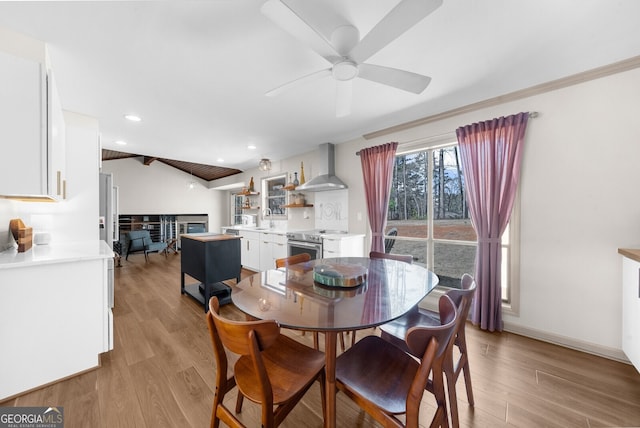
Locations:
{"points": [[395, 331], [292, 260], [385, 381], [301, 258], [272, 369]]}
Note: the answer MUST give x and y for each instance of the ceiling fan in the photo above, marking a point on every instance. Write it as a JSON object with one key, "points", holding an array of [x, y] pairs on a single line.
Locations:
{"points": [[338, 41]]}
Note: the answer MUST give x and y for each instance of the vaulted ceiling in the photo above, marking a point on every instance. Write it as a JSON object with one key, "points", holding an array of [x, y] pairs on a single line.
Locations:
{"points": [[196, 72]]}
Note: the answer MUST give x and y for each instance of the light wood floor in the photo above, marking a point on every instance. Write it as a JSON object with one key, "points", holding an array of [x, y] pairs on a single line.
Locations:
{"points": [[161, 372]]}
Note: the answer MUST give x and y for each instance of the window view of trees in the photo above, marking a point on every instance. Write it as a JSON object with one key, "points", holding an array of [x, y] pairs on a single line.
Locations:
{"points": [[410, 190], [428, 213]]}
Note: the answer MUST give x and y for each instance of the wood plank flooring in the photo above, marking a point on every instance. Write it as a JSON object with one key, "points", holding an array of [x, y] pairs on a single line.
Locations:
{"points": [[161, 372]]}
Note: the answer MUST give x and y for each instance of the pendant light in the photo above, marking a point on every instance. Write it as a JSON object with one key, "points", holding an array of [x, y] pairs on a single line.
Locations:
{"points": [[264, 164]]}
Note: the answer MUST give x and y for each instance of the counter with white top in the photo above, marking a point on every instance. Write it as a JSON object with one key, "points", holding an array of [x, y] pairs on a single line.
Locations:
{"points": [[55, 313], [55, 253]]}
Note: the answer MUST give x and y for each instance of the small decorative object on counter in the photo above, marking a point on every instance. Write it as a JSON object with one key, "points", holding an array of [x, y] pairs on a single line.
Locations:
{"points": [[251, 185], [302, 180], [22, 234], [295, 179]]}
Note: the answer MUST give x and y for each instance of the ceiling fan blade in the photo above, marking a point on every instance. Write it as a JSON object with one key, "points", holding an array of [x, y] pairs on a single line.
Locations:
{"points": [[344, 94], [308, 78], [306, 24], [401, 79], [405, 15]]}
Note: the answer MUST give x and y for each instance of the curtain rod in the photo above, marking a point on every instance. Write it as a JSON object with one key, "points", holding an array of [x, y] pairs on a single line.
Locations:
{"points": [[532, 115]]}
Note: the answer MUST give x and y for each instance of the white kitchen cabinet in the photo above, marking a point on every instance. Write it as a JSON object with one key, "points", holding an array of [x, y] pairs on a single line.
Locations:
{"points": [[55, 316], [56, 139], [250, 249], [631, 310], [37, 152], [343, 246], [272, 246]]}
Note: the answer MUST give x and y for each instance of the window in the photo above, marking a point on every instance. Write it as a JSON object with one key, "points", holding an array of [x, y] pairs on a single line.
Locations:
{"points": [[428, 215], [274, 195]]}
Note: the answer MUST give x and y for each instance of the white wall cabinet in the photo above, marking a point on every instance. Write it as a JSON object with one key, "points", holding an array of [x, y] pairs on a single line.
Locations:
{"points": [[343, 246], [250, 249], [631, 310], [33, 130]]}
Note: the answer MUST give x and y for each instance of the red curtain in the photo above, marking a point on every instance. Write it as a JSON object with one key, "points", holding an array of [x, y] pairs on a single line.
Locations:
{"points": [[491, 154], [377, 172]]}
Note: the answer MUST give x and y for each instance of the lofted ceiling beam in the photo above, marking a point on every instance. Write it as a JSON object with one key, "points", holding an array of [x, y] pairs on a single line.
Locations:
{"points": [[148, 160]]}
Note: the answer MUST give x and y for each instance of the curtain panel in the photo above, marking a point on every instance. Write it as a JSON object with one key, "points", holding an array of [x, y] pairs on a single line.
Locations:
{"points": [[491, 154], [377, 173]]}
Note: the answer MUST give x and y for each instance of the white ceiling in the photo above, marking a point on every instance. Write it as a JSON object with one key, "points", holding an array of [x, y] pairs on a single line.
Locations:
{"points": [[196, 71]]}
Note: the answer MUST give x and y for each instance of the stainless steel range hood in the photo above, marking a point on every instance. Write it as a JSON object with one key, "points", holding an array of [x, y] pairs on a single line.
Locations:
{"points": [[326, 180]]}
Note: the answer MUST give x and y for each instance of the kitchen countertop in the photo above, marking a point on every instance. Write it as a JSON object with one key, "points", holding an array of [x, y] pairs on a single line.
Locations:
{"points": [[55, 253], [206, 237], [631, 253], [259, 229]]}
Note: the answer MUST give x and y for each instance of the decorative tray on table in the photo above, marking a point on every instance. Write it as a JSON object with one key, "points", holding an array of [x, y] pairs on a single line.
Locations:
{"points": [[340, 275]]}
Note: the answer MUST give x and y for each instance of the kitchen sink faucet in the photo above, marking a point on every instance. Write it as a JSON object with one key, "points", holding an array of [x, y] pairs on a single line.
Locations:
{"points": [[269, 213]]}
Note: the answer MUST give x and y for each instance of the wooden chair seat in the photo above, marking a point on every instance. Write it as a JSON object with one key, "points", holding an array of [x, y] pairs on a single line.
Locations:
{"points": [[272, 369], [387, 382], [290, 365]]}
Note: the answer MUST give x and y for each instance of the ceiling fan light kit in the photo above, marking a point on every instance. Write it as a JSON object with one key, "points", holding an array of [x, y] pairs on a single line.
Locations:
{"points": [[339, 43]]}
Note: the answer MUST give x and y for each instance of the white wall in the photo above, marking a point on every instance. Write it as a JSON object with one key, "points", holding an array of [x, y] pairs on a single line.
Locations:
{"points": [[162, 189], [579, 205]]}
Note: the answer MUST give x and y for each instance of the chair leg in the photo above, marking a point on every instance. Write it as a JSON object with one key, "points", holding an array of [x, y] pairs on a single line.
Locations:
{"points": [[316, 345], [453, 400], [239, 402], [467, 382], [461, 342]]}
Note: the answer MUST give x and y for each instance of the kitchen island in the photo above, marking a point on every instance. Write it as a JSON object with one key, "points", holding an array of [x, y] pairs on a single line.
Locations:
{"points": [[209, 258], [55, 313]]}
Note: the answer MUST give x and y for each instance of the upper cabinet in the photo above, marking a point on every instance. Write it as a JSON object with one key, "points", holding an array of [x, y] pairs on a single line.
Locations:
{"points": [[33, 131]]}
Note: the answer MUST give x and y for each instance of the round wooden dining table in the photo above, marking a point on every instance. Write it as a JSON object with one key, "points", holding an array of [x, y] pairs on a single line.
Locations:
{"points": [[385, 290]]}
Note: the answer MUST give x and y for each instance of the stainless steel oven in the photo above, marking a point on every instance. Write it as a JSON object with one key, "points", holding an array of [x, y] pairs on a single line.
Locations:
{"points": [[304, 242]]}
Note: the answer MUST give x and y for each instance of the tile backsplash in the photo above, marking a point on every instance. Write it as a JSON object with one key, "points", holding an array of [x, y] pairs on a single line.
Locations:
{"points": [[8, 211], [331, 210]]}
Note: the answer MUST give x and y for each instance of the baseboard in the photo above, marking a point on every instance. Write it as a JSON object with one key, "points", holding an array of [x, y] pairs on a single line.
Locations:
{"points": [[431, 302], [568, 342]]}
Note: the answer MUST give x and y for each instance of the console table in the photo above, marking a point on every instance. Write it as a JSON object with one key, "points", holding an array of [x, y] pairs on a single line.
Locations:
{"points": [[209, 258]]}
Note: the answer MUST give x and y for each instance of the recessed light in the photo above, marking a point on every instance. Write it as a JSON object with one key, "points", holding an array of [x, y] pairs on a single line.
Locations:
{"points": [[220, 160], [132, 117], [251, 147], [121, 143]]}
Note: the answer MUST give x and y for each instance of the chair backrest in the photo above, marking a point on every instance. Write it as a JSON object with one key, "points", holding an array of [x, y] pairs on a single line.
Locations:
{"points": [[292, 260], [222, 365], [245, 337], [419, 337], [389, 243], [137, 239], [462, 297], [407, 258]]}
